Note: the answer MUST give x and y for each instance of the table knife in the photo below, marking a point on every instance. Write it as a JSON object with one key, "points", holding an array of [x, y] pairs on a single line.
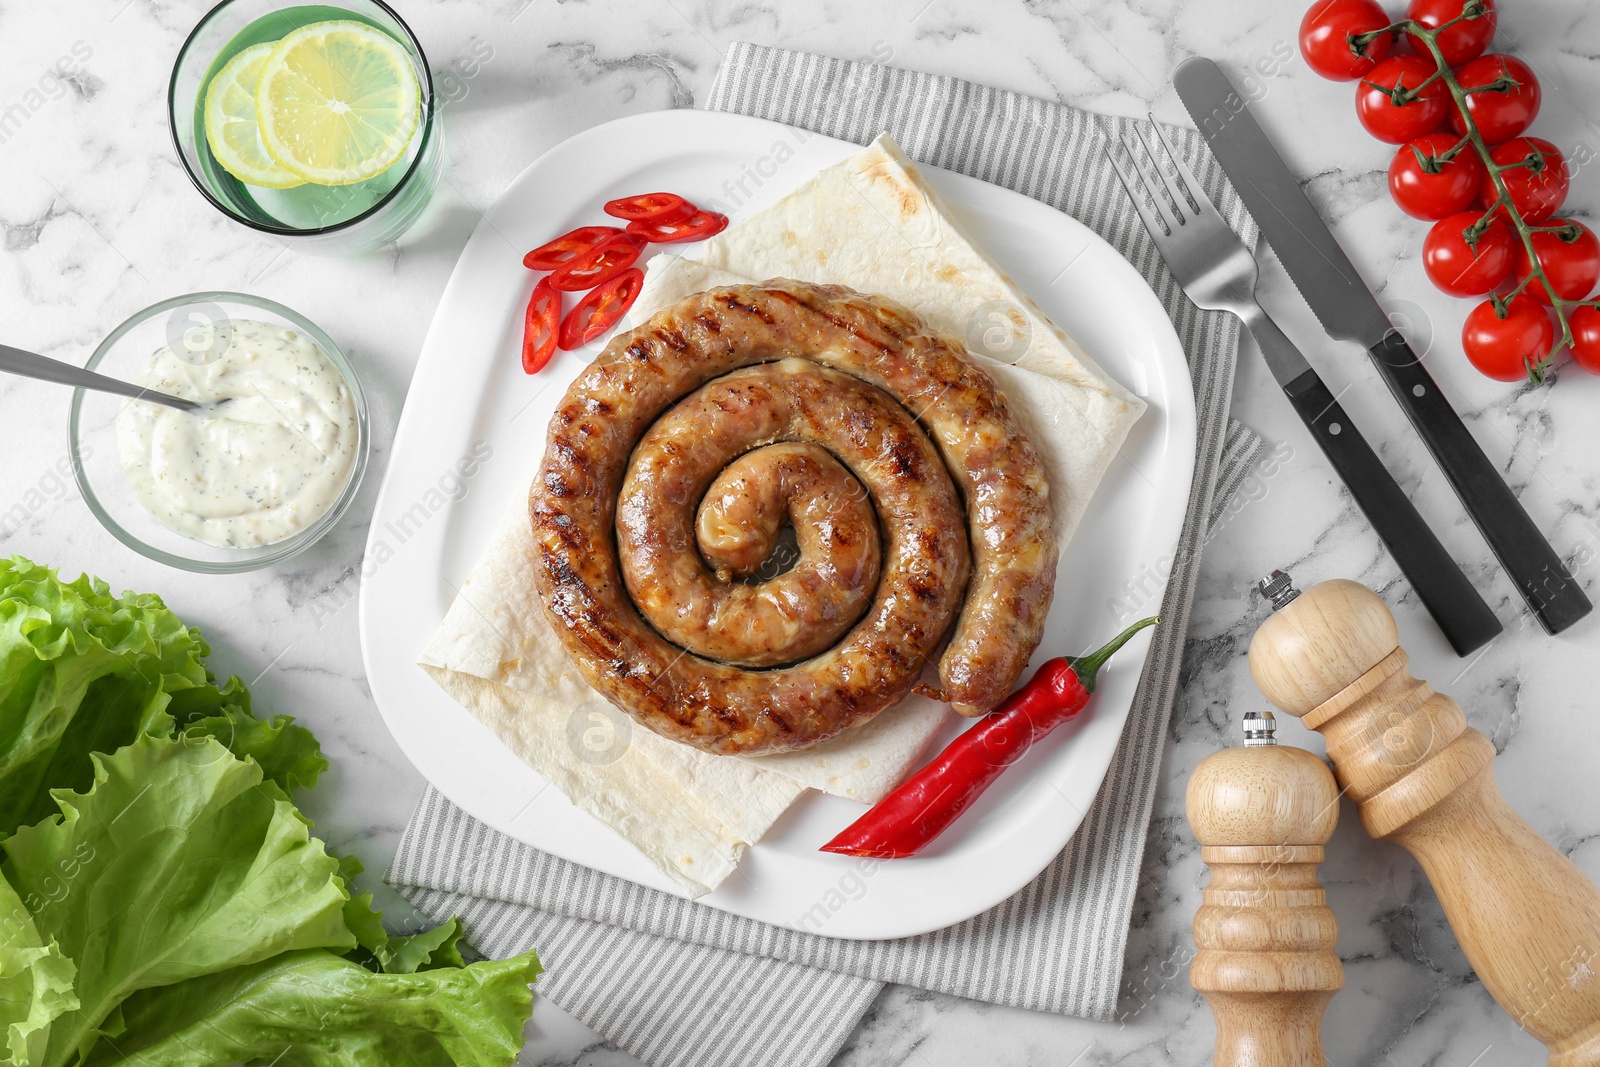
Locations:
{"points": [[1347, 310]]}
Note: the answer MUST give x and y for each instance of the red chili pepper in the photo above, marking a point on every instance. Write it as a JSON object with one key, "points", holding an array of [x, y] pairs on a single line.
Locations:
{"points": [[662, 207], [598, 265], [563, 249], [924, 805], [600, 309], [691, 228], [539, 327]]}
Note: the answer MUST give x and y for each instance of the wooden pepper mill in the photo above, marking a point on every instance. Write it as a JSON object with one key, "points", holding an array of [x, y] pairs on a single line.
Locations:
{"points": [[1265, 935], [1526, 917]]}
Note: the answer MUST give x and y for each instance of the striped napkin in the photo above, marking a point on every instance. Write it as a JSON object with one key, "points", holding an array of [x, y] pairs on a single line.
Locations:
{"points": [[679, 984]]}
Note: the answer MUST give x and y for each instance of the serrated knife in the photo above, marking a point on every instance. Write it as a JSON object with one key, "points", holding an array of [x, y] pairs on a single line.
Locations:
{"points": [[1347, 310]]}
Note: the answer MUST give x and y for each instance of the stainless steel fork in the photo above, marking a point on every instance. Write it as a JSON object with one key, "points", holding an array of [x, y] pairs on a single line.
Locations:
{"points": [[1219, 273], [1206, 257]]}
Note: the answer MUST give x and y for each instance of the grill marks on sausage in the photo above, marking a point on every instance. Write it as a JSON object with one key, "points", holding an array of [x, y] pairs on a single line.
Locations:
{"points": [[722, 708], [681, 475], [732, 302]]}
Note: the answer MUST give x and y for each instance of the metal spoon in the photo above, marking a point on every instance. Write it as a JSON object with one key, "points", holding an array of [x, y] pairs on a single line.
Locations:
{"points": [[29, 365]]}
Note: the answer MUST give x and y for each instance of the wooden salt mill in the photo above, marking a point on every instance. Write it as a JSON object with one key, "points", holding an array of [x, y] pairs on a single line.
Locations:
{"points": [[1266, 963], [1526, 917]]}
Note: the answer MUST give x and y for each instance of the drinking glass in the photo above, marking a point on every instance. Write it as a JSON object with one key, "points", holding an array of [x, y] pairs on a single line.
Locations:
{"points": [[326, 219]]}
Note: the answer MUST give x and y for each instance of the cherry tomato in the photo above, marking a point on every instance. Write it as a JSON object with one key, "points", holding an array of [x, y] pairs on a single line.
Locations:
{"points": [[1538, 188], [1426, 188], [1406, 119], [553, 254], [1571, 261], [650, 206], [1502, 113], [539, 327], [696, 227], [1585, 324], [1510, 347], [598, 265], [1465, 40], [1461, 269], [600, 309], [1325, 34]]}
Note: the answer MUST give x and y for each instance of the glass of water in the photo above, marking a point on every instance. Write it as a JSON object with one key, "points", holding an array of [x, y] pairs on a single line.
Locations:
{"points": [[328, 219]]}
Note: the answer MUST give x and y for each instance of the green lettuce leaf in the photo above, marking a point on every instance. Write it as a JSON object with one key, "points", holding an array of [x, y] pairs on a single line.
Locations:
{"points": [[400, 953], [287, 754], [316, 1009], [167, 901], [427, 951], [82, 671], [379, 950], [181, 861], [35, 983]]}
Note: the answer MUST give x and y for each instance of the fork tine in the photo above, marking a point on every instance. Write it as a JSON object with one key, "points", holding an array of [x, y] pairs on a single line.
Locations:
{"points": [[1173, 209], [1196, 193], [1173, 218], [1180, 201], [1136, 190]]}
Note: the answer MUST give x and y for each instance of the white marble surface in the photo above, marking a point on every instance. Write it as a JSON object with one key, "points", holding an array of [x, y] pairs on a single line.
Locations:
{"points": [[97, 221]]}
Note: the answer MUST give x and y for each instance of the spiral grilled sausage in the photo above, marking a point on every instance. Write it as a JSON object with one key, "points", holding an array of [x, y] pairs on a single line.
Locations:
{"points": [[633, 501], [792, 615]]}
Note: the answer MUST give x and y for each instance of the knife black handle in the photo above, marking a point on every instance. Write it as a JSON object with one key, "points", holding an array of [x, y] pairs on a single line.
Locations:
{"points": [[1455, 605], [1556, 599]]}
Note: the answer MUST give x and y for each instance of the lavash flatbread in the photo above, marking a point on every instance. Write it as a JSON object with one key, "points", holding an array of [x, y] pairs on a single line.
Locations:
{"points": [[871, 222], [691, 813]]}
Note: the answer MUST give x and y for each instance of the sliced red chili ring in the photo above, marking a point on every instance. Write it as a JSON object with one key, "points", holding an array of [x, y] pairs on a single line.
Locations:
{"points": [[600, 309], [598, 265], [650, 206], [700, 225], [540, 327], [563, 249]]}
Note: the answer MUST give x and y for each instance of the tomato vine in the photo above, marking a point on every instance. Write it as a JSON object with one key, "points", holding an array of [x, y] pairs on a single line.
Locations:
{"points": [[1504, 204]]}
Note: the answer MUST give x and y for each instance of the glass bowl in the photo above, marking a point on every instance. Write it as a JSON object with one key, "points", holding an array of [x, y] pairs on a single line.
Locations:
{"points": [[330, 220], [190, 321]]}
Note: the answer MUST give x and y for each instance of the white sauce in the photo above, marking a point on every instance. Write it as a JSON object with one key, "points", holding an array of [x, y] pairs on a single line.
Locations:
{"points": [[261, 467]]}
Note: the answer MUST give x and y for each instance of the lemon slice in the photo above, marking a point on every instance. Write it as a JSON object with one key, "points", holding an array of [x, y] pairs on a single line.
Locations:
{"points": [[338, 102], [230, 116]]}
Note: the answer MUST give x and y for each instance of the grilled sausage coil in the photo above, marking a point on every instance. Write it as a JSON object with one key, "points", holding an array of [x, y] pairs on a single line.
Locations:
{"points": [[916, 500]]}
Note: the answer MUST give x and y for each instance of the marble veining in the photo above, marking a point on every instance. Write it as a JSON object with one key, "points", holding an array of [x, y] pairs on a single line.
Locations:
{"points": [[97, 221]]}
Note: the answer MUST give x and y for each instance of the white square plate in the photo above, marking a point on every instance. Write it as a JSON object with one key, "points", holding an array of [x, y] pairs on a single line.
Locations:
{"points": [[469, 393]]}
